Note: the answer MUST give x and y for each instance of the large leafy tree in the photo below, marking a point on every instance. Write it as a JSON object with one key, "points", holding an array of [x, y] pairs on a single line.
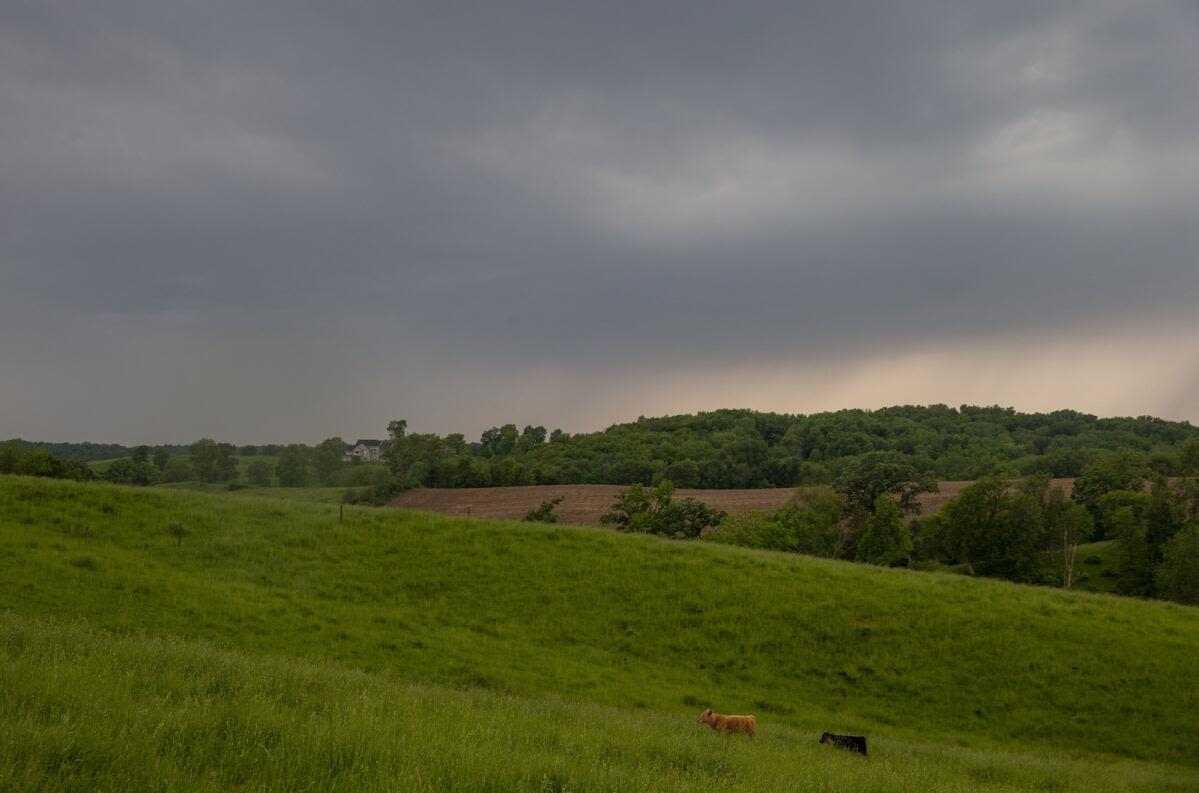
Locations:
{"points": [[970, 519], [1134, 568], [656, 512], [131, 472], [887, 540], [327, 460], [212, 461], [1108, 472], [1178, 576], [865, 478], [292, 467]]}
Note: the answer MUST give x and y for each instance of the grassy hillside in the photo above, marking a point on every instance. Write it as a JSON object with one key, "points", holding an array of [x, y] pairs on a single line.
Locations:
{"points": [[243, 461], [1097, 565], [88, 711], [574, 654], [314, 494]]}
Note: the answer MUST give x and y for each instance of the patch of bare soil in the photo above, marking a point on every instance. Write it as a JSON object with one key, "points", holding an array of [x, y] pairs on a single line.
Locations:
{"points": [[583, 505]]}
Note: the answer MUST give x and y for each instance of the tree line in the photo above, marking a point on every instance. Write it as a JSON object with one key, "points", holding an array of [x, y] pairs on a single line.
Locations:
{"points": [[718, 449], [1025, 530], [747, 449], [206, 461], [95, 452]]}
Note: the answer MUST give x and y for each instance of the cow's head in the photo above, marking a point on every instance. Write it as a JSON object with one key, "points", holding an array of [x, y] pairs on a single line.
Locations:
{"points": [[706, 716]]}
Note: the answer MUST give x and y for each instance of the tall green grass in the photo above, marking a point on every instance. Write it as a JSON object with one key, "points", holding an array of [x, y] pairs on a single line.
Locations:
{"points": [[86, 711], [967, 682]]}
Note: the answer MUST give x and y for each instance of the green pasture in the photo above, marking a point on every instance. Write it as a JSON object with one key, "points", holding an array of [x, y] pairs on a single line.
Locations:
{"points": [[272, 647]]}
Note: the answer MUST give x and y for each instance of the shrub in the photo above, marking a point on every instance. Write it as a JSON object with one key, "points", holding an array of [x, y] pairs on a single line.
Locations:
{"points": [[177, 470], [656, 512], [363, 475], [763, 530], [545, 512], [128, 472], [258, 473]]}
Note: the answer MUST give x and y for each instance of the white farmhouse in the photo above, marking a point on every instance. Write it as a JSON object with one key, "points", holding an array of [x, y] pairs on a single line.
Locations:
{"points": [[365, 450]]}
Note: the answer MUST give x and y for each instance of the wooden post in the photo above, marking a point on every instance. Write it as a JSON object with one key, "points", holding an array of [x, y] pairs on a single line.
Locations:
{"points": [[341, 513]]}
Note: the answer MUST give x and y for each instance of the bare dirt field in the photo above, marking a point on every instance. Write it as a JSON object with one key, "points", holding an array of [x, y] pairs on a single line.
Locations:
{"points": [[584, 504]]}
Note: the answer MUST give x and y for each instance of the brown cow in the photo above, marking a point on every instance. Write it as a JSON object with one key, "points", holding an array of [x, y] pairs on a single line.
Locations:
{"points": [[728, 724]]}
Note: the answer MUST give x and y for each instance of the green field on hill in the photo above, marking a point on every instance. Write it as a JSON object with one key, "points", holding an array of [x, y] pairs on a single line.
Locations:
{"points": [[272, 647]]}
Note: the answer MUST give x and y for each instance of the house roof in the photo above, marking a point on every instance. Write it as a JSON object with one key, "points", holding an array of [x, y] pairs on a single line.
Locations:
{"points": [[370, 443]]}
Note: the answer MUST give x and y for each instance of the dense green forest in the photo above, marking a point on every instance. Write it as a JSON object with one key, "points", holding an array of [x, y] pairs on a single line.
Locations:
{"points": [[734, 448], [748, 449]]}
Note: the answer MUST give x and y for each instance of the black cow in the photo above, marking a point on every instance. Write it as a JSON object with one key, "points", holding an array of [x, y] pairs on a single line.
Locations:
{"points": [[854, 743]]}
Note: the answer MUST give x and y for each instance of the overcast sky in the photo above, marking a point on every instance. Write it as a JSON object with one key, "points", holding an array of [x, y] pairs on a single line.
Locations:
{"points": [[282, 221]]}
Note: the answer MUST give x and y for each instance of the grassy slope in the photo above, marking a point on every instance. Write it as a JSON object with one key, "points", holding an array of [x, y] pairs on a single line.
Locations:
{"points": [[1097, 563], [318, 495], [243, 461], [87, 711], [957, 681]]}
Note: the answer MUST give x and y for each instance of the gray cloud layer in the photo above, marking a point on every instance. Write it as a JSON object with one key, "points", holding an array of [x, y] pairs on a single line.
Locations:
{"points": [[282, 220]]}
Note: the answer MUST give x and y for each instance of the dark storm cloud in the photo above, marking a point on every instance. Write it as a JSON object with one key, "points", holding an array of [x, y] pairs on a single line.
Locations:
{"points": [[387, 195]]}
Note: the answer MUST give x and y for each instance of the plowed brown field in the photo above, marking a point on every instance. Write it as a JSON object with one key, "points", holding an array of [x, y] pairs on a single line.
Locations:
{"points": [[584, 504]]}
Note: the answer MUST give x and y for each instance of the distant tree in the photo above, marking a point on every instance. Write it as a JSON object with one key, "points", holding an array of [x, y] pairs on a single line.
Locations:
{"points": [[292, 467], [258, 473], [1073, 524], [397, 429], [530, 438], [1137, 501], [1178, 575], [177, 469], [10, 458], [1018, 542], [141, 455], [161, 458], [656, 512], [1164, 518], [1188, 457], [249, 450], [684, 473], [1134, 570], [969, 521], [1109, 471], [415, 458], [488, 441], [455, 443], [686, 519], [633, 507], [886, 540], [865, 478], [1163, 461], [40, 462], [558, 435], [130, 472], [212, 461], [327, 459], [545, 512], [506, 442]]}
